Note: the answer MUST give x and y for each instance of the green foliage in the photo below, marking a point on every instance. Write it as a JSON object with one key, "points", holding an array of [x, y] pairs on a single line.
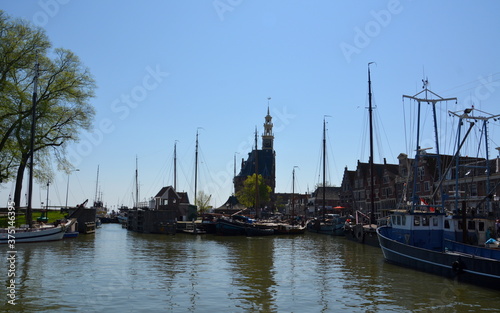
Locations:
{"points": [[202, 202], [246, 195], [21, 218], [63, 110]]}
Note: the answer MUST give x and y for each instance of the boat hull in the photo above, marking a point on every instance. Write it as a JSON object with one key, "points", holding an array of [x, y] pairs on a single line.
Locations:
{"points": [[320, 227], [228, 228], [209, 227], [256, 231], [362, 234], [462, 267], [287, 229], [26, 236]]}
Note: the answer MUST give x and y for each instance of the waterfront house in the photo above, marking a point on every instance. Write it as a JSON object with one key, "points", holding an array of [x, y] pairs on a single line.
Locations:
{"points": [[332, 199]]}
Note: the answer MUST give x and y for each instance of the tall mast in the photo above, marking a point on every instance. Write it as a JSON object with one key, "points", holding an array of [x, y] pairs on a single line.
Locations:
{"points": [[234, 175], [175, 165], [32, 145], [96, 187], [433, 102], [136, 184], [196, 168], [324, 166], [293, 191], [372, 174], [257, 205]]}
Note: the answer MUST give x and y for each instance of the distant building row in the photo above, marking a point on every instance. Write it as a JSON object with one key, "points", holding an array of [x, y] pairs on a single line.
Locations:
{"points": [[394, 184]]}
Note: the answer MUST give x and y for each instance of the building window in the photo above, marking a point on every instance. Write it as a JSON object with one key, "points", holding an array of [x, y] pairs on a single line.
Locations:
{"points": [[471, 225], [474, 189], [421, 172], [427, 186]]}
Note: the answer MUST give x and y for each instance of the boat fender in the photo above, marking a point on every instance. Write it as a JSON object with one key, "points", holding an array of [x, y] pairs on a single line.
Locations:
{"points": [[457, 267]]}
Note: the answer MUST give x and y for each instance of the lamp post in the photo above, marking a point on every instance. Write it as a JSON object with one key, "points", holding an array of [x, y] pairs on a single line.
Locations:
{"points": [[67, 187]]}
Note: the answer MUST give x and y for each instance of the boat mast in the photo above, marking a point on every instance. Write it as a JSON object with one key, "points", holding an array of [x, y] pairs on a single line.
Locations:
{"points": [[419, 150], [324, 166], [47, 203], [466, 115], [175, 165], [372, 187], [136, 184], [96, 187], [257, 206], [196, 168], [293, 191], [32, 145]]}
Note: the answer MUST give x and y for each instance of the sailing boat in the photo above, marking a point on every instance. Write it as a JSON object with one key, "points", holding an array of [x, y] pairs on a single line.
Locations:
{"points": [[293, 227], [38, 232], [426, 235], [362, 231], [326, 223]]}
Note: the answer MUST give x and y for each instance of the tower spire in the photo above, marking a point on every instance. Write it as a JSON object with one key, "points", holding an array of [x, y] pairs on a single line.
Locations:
{"points": [[267, 136]]}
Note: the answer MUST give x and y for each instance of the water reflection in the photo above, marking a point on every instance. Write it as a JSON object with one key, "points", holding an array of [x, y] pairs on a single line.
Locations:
{"points": [[250, 262], [117, 270]]}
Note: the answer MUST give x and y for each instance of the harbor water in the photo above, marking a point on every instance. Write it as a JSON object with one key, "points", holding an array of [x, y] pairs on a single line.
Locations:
{"points": [[115, 270]]}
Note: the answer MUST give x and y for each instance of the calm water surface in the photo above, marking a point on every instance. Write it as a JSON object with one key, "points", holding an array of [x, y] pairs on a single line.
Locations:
{"points": [[116, 270]]}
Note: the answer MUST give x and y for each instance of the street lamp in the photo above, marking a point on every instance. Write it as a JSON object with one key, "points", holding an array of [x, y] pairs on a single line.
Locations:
{"points": [[67, 187]]}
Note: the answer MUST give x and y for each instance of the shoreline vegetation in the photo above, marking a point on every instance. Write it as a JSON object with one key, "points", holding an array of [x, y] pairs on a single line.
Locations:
{"points": [[53, 216]]}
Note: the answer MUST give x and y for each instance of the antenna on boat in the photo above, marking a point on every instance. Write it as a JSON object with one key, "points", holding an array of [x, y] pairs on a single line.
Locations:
{"points": [[433, 102]]}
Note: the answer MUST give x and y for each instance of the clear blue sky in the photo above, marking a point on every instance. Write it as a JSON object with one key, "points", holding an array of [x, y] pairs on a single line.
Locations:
{"points": [[166, 69]]}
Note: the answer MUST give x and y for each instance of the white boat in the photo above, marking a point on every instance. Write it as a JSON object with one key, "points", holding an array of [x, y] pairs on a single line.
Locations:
{"points": [[34, 234]]}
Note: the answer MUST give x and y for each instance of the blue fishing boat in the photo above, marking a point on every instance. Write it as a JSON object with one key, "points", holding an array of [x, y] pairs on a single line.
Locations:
{"points": [[416, 240], [446, 236]]}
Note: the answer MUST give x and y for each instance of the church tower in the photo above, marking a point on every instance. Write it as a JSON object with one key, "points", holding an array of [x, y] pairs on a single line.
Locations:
{"points": [[265, 158], [267, 136]]}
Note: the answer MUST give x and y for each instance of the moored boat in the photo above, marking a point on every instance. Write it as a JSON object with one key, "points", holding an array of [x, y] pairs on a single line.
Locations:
{"points": [[290, 229], [35, 234], [234, 226], [416, 240], [258, 231], [425, 235], [332, 224]]}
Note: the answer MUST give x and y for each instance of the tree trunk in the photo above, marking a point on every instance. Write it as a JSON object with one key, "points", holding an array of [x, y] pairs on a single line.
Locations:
{"points": [[19, 182]]}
